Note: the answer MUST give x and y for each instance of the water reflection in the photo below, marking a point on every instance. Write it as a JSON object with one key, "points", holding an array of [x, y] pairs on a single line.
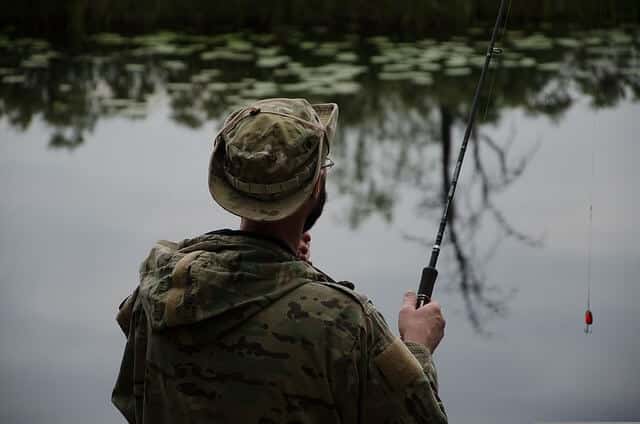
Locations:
{"points": [[402, 105], [206, 75]]}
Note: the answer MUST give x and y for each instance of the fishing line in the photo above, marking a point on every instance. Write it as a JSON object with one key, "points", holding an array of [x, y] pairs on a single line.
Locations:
{"points": [[588, 315], [590, 233]]}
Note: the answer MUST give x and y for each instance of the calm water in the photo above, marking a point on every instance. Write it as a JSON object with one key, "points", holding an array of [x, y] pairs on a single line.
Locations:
{"points": [[105, 151]]}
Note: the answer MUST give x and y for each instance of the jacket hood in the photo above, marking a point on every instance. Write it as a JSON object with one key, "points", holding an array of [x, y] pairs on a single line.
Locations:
{"points": [[225, 276]]}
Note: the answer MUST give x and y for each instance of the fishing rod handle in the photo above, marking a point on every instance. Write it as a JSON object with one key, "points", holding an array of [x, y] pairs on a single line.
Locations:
{"points": [[427, 281]]}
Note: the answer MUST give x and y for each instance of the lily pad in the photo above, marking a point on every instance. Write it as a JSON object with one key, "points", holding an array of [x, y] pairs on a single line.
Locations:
{"points": [[34, 64], [527, 62], [457, 72], [14, 79], [240, 85], [308, 45], [272, 61], [619, 37], [432, 54], [134, 67], [478, 61], [239, 45], [201, 78], [379, 39], [226, 55], [43, 57], [217, 86], [174, 65], [550, 66], [424, 79], [264, 38], [397, 67], [536, 41], [430, 66], [268, 51], [162, 37], [110, 39], [284, 72], [427, 42], [380, 59], [510, 63], [567, 42], [163, 49], [325, 51], [600, 50], [261, 90], [210, 72], [347, 57], [454, 47], [456, 61], [32, 43], [593, 41], [338, 71], [395, 76]]}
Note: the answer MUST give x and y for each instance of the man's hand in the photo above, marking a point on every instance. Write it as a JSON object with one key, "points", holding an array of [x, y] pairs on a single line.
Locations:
{"points": [[424, 325], [304, 247]]}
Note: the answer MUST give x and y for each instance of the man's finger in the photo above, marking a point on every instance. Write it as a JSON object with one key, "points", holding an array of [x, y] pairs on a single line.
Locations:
{"points": [[410, 299]]}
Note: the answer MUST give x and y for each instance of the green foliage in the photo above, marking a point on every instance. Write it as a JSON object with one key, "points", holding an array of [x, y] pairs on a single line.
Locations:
{"points": [[400, 17]]}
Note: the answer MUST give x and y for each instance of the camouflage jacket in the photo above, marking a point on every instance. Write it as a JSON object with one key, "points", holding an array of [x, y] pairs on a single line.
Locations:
{"points": [[231, 327]]}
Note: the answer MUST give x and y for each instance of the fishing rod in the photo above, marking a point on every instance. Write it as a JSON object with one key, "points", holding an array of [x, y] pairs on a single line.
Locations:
{"points": [[430, 273]]}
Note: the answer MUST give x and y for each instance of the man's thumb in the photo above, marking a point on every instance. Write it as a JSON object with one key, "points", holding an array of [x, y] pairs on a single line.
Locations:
{"points": [[410, 299]]}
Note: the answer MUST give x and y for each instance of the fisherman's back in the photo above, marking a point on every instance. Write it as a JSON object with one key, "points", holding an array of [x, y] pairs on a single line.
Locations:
{"points": [[268, 341], [295, 361]]}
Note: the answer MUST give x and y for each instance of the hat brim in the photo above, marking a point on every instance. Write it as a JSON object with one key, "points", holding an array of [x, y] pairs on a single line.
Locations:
{"points": [[254, 209]]}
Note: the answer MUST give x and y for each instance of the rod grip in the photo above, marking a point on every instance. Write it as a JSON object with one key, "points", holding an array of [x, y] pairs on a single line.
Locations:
{"points": [[427, 281]]}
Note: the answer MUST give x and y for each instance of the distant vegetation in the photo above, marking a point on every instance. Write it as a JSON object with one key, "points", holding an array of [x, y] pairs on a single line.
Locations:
{"points": [[73, 19], [372, 78]]}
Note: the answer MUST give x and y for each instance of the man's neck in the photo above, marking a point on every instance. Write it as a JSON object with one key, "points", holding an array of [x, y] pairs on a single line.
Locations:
{"points": [[288, 231]]}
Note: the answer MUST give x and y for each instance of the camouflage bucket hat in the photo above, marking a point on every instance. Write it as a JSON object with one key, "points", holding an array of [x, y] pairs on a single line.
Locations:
{"points": [[267, 157]]}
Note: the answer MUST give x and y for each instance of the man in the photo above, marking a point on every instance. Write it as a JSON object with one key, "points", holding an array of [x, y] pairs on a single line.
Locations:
{"points": [[237, 327]]}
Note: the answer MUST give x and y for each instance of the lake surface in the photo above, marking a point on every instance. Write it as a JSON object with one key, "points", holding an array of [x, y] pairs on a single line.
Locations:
{"points": [[105, 150]]}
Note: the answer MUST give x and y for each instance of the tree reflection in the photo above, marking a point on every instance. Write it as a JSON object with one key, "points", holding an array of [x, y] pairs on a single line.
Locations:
{"points": [[478, 295], [474, 208]]}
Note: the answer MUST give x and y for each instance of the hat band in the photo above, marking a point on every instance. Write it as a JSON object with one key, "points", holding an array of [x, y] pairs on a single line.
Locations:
{"points": [[270, 189]]}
